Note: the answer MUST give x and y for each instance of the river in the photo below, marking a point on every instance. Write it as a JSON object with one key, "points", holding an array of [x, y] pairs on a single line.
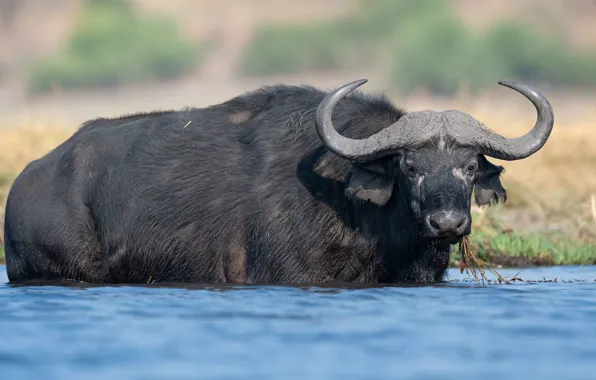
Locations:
{"points": [[454, 330]]}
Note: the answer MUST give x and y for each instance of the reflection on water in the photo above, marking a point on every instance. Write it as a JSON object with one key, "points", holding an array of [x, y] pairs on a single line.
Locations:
{"points": [[455, 330]]}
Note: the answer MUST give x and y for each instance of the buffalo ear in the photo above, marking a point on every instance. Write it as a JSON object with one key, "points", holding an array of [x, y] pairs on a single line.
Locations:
{"points": [[367, 185], [488, 187]]}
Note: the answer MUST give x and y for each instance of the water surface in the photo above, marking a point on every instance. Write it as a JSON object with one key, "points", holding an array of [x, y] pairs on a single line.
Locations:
{"points": [[457, 330]]}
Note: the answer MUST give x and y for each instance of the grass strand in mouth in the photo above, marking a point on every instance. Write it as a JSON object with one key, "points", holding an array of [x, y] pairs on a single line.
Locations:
{"points": [[471, 264]]}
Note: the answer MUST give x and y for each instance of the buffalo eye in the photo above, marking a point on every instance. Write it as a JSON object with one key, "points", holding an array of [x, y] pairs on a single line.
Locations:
{"points": [[471, 168], [411, 170]]}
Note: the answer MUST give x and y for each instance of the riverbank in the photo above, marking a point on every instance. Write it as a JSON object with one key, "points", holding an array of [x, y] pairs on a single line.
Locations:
{"points": [[504, 247]]}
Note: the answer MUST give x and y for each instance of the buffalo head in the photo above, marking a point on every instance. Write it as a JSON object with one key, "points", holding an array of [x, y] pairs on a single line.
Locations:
{"points": [[432, 161]]}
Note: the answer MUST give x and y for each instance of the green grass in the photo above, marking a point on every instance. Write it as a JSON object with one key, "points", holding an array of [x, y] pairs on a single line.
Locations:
{"points": [[529, 249], [515, 245]]}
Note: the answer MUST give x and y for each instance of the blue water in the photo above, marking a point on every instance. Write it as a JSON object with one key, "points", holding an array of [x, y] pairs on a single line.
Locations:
{"points": [[458, 330]]}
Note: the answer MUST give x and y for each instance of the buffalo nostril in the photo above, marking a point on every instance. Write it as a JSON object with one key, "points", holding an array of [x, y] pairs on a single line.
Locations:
{"points": [[434, 224], [447, 223], [461, 222]]}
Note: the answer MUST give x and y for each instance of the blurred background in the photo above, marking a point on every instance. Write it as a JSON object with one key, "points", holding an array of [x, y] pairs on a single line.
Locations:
{"points": [[65, 61], [69, 60]]}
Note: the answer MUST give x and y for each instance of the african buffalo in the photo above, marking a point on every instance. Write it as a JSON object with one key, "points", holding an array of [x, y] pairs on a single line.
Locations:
{"points": [[285, 184]]}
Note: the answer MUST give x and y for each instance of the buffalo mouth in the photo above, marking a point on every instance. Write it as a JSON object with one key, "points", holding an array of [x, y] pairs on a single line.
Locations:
{"points": [[445, 239], [450, 240]]}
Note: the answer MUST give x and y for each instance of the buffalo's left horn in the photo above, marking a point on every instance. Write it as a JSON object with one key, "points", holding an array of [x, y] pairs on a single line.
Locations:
{"points": [[494, 145]]}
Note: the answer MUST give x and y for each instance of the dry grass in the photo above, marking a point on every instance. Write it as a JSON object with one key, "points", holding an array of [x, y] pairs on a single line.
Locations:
{"points": [[553, 188], [21, 146], [474, 265], [26, 143]]}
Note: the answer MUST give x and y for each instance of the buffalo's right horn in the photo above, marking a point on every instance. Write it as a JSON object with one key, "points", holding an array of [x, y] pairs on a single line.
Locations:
{"points": [[380, 144]]}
